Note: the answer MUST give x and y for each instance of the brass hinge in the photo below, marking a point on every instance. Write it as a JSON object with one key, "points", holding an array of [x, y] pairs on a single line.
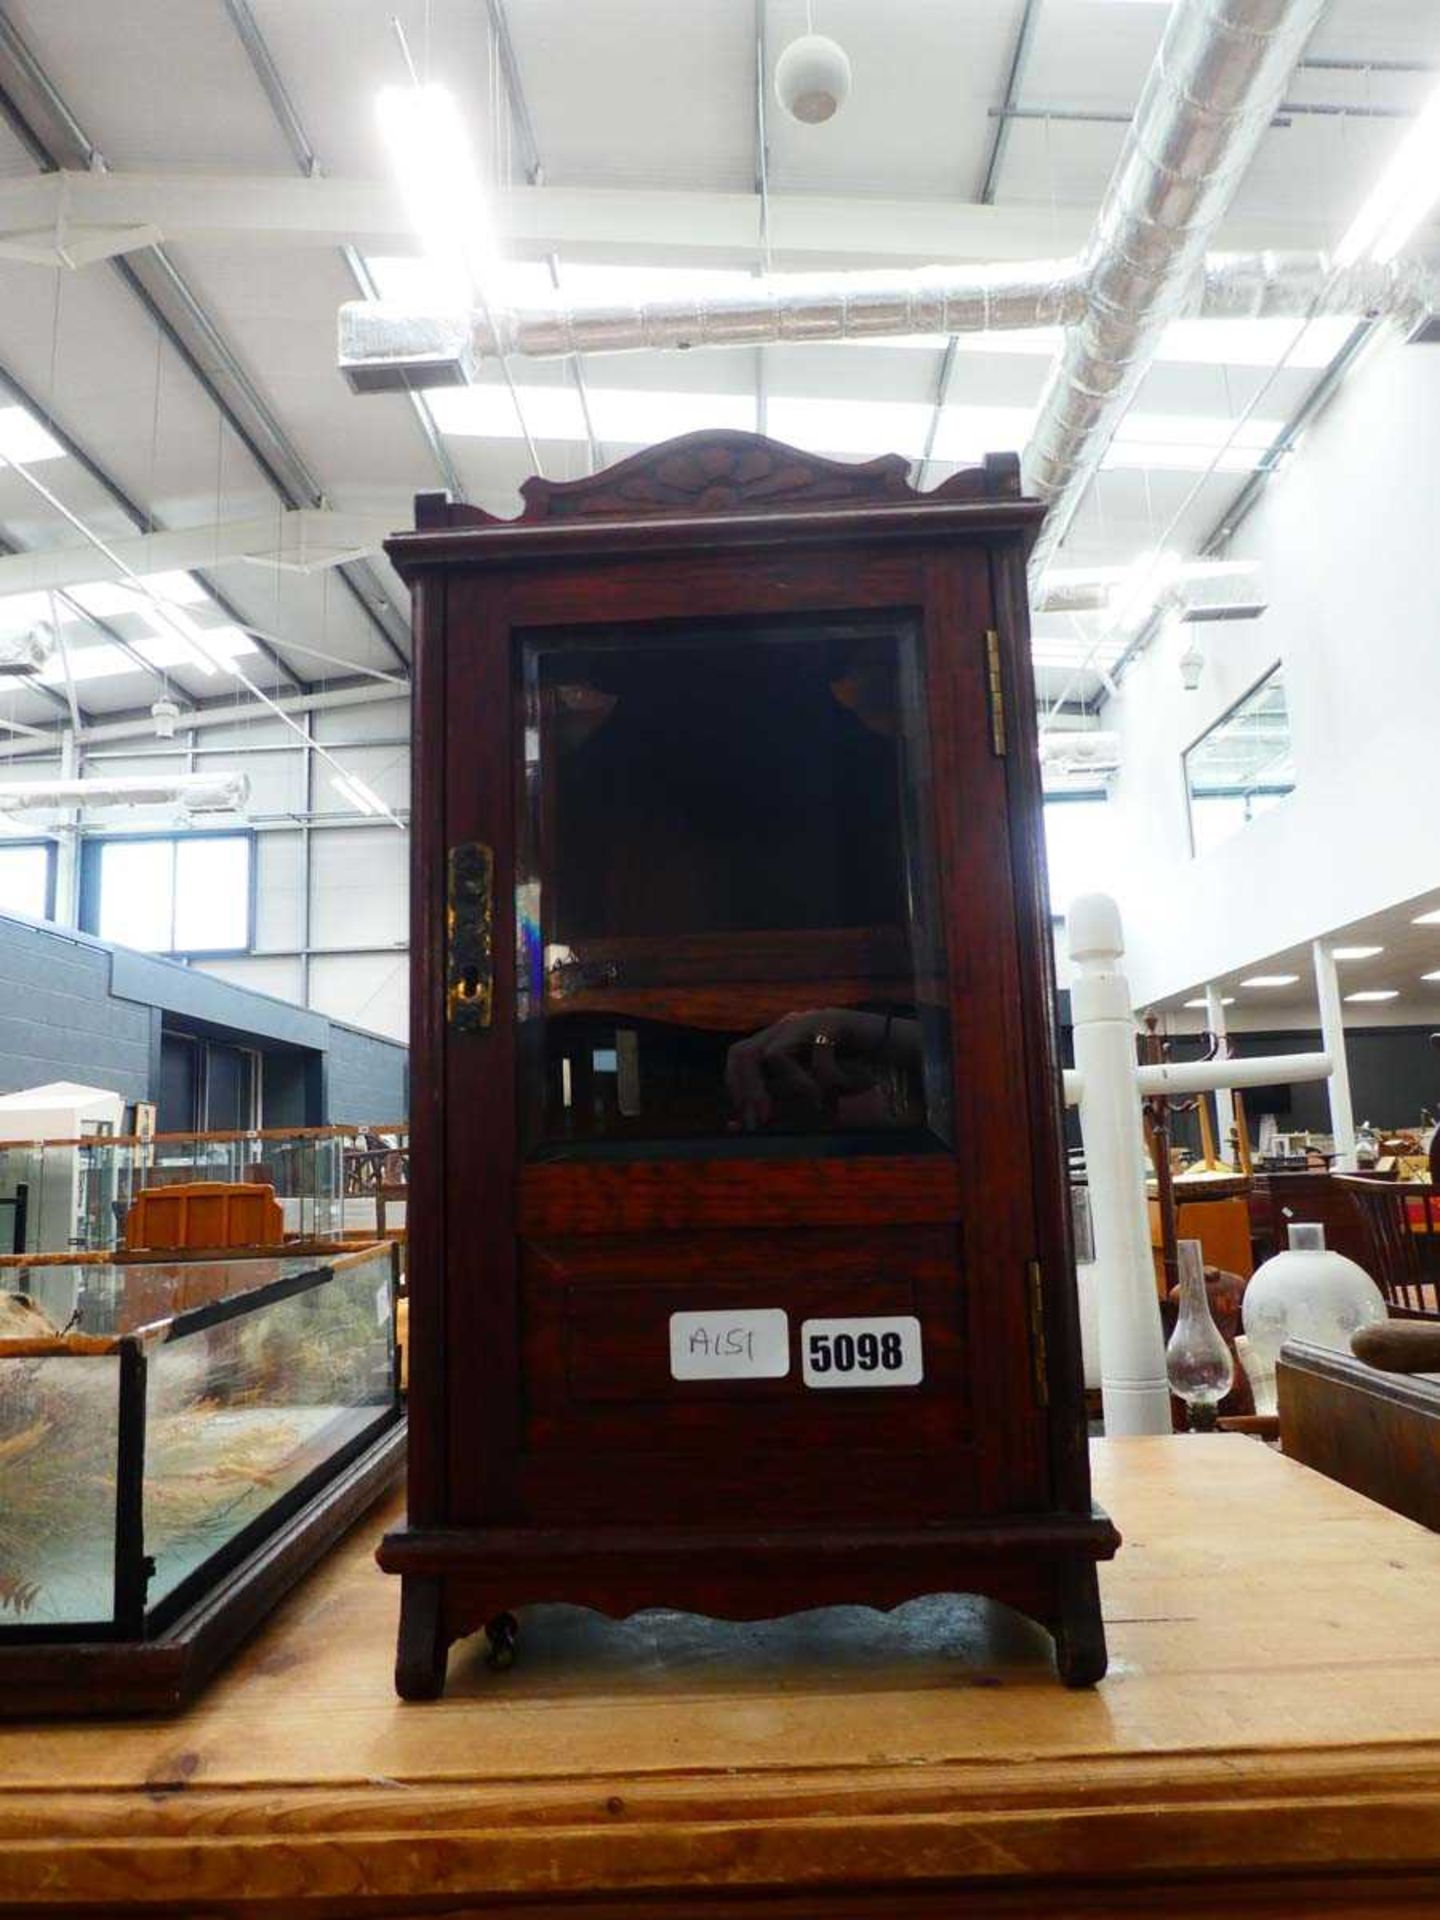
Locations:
{"points": [[997, 693], [1037, 1331]]}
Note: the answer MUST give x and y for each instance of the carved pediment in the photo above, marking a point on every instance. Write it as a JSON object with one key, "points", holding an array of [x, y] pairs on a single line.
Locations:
{"points": [[723, 471]]}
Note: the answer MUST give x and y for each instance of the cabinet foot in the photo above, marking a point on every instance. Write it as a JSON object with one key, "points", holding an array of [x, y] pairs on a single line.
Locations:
{"points": [[421, 1655], [1079, 1629]]}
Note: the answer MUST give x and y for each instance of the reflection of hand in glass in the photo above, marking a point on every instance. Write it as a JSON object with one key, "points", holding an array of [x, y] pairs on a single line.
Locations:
{"points": [[819, 1057]]}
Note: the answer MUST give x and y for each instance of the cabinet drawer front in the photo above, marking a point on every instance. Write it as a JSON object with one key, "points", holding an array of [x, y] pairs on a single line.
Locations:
{"points": [[597, 1333]]}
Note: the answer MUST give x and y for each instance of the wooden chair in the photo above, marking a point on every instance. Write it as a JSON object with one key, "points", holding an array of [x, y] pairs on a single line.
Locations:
{"points": [[1402, 1222]]}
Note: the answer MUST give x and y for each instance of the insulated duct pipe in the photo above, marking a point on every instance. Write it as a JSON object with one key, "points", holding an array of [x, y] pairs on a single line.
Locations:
{"points": [[1220, 73], [384, 347], [196, 792]]}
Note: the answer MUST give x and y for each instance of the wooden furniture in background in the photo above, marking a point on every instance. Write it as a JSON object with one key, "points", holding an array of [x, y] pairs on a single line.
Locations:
{"points": [[1268, 1743], [1375, 1431], [205, 1213], [1402, 1225], [1278, 1199], [1221, 1225], [721, 732]]}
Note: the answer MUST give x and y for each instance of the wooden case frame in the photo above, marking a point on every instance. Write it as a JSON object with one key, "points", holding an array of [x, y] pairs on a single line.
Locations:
{"points": [[508, 1505]]}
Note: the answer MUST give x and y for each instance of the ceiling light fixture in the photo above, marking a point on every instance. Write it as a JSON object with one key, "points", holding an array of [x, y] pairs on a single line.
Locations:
{"points": [[1430, 919], [1376, 993], [1402, 196], [1226, 1000], [1355, 953], [1271, 980], [1430, 976], [812, 78], [440, 186]]}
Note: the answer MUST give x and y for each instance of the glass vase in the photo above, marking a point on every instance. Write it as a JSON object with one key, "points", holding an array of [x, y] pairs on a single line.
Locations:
{"points": [[1197, 1360]]}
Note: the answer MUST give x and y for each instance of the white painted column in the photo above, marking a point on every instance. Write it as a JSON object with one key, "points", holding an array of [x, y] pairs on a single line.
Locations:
{"points": [[1132, 1348], [1332, 1039], [67, 842], [1224, 1103]]}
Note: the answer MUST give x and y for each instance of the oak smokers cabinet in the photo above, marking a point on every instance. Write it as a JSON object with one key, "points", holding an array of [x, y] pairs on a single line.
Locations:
{"points": [[739, 1266]]}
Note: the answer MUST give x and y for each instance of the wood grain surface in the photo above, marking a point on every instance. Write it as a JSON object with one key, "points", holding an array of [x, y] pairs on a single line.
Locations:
{"points": [[1267, 1740]]}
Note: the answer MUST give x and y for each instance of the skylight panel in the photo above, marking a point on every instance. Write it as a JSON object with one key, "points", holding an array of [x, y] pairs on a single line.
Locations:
{"points": [[183, 588], [21, 611], [103, 660], [106, 598], [1255, 343], [23, 441], [1177, 456], [1197, 429], [639, 416], [551, 413], [969, 433], [635, 417], [410, 280], [851, 426]]}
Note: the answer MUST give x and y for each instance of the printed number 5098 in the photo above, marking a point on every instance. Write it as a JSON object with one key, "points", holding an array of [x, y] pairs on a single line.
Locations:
{"points": [[844, 1352], [863, 1350]]}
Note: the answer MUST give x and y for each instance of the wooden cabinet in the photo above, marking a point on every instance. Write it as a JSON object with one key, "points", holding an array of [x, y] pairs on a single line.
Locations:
{"points": [[739, 1272]]}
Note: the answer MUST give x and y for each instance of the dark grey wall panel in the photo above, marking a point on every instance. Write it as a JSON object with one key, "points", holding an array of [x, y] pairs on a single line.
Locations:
{"points": [[367, 1078], [203, 999], [1394, 1071], [72, 1008], [57, 1019]]}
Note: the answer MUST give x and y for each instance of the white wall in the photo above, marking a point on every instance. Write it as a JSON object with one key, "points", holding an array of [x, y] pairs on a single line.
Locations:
{"points": [[331, 887], [1348, 541]]}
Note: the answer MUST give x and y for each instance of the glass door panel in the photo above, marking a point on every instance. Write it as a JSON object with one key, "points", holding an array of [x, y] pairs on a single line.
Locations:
{"points": [[726, 892]]}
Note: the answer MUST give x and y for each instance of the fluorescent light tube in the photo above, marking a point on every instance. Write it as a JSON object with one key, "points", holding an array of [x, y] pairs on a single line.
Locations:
{"points": [[1271, 980], [353, 789], [1401, 198], [443, 196], [1376, 993], [1355, 953]]}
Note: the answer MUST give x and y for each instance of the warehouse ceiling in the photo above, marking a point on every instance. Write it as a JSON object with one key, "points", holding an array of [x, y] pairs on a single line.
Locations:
{"points": [[170, 408]]}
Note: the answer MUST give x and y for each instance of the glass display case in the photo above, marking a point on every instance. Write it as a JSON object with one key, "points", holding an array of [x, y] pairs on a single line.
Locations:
{"points": [[160, 1424], [304, 1166], [21, 1166]]}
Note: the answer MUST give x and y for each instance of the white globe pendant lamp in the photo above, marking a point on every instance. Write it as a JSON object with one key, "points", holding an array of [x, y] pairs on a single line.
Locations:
{"points": [[812, 78]]}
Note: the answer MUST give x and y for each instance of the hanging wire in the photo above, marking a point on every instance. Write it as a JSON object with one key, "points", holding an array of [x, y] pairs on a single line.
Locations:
{"points": [[133, 580], [399, 32], [1301, 328]]}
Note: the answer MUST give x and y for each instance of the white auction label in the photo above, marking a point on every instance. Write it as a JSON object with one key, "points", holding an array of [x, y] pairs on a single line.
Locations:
{"points": [[871, 1352], [748, 1343]]}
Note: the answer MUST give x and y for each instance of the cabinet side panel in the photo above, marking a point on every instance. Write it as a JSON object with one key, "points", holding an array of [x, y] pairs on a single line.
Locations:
{"points": [[1069, 1454], [991, 1093], [426, 1213]]}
